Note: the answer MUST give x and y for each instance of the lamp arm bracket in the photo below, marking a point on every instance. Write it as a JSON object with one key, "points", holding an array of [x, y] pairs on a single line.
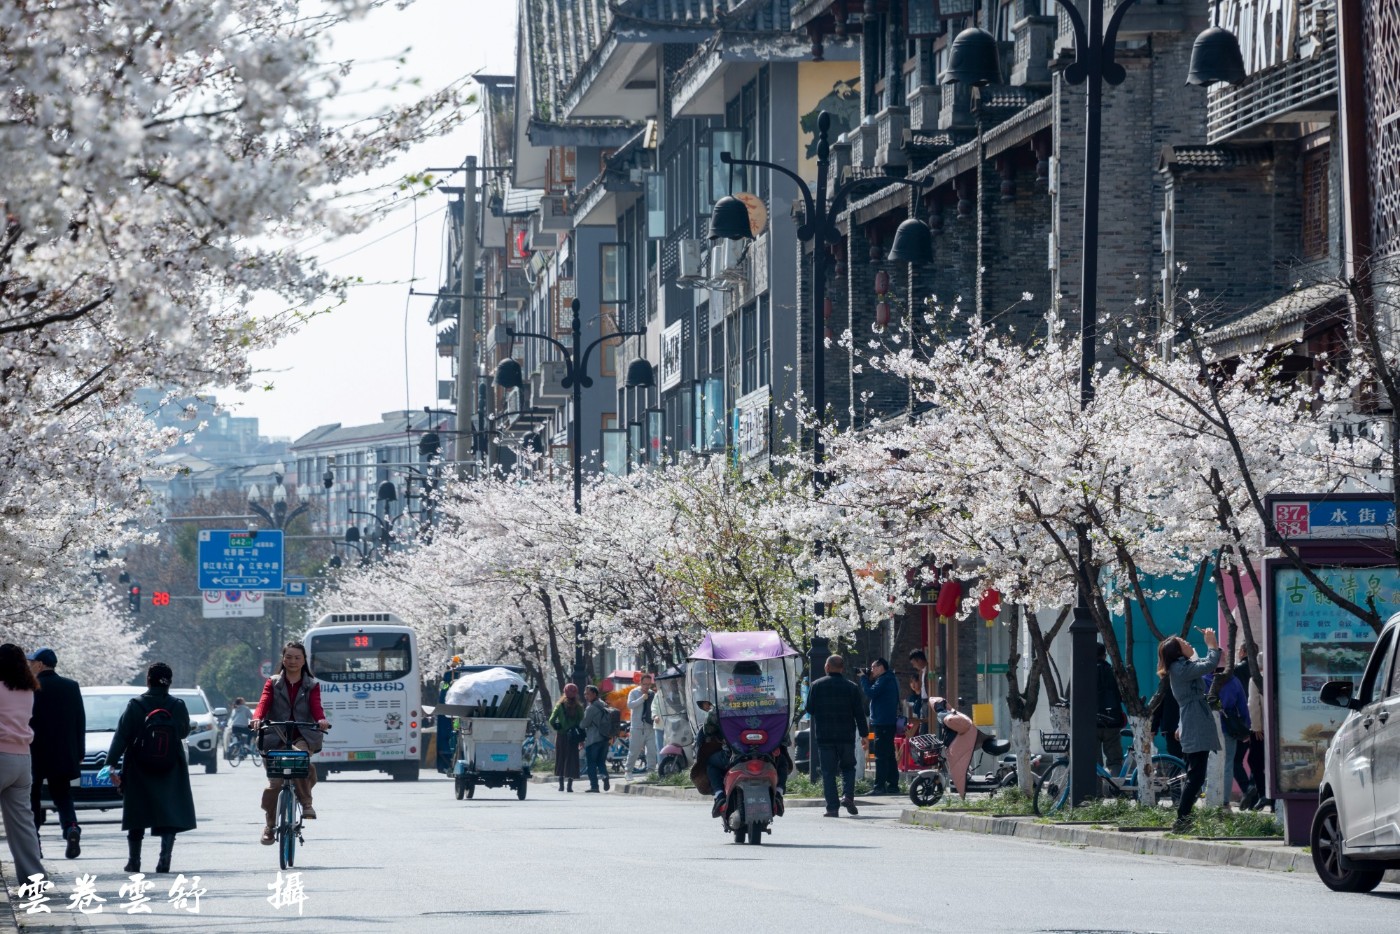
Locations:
{"points": [[296, 512], [729, 159], [598, 342], [262, 512], [568, 356], [1077, 72], [1114, 73]]}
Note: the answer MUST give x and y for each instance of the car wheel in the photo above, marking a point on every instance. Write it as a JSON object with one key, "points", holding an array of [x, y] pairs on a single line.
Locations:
{"points": [[211, 764], [1326, 846]]}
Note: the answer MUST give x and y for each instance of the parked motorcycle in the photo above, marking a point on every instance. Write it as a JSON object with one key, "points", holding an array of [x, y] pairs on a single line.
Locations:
{"points": [[748, 678], [672, 716], [946, 758]]}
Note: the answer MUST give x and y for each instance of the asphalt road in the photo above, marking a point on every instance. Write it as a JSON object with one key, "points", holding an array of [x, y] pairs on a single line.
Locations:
{"points": [[409, 857]]}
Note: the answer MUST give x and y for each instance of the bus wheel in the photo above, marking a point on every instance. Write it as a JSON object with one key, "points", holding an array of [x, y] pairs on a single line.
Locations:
{"points": [[322, 773]]}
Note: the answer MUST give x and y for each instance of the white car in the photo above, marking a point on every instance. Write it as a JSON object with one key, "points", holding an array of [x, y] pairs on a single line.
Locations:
{"points": [[103, 706], [202, 744], [1356, 832]]}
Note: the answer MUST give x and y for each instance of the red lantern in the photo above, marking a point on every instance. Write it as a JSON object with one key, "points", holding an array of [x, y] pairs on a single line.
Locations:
{"points": [[949, 596], [827, 307], [989, 607], [882, 314], [882, 282]]}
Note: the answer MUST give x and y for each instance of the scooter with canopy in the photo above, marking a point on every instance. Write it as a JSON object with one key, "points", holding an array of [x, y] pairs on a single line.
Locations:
{"points": [[745, 681]]}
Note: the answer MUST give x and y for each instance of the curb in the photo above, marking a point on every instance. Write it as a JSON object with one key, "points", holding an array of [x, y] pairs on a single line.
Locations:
{"points": [[1275, 857]]}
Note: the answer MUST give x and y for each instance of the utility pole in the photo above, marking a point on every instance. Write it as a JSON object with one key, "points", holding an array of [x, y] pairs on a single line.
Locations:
{"points": [[467, 369]]}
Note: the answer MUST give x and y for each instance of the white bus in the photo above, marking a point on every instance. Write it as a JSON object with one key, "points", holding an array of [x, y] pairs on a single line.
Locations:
{"points": [[367, 664]]}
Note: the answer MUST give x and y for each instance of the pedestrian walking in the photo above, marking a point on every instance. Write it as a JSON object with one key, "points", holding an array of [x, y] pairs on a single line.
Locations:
{"points": [[596, 717], [154, 778], [291, 694], [640, 701], [1166, 716], [18, 687], [60, 739], [1257, 796], [882, 689], [920, 683], [837, 709], [1234, 725], [567, 721], [1176, 659], [1110, 719]]}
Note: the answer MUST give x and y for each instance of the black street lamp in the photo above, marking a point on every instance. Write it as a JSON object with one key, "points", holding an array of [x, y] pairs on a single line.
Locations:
{"points": [[974, 59], [576, 378], [729, 218], [280, 519]]}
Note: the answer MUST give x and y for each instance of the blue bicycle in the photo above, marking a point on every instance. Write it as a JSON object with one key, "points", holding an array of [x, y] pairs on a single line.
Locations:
{"points": [[1168, 777]]}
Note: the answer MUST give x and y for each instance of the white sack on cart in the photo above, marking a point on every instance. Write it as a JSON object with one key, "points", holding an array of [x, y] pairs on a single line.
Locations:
{"points": [[483, 687]]}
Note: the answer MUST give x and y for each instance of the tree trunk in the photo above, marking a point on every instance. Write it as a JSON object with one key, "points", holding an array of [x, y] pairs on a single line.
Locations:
{"points": [[1143, 749], [1021, 746]]}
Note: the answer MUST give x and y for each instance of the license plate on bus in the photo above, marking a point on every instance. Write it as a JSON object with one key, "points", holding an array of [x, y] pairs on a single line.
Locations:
{"points": [[93, 780], [360, 755]]}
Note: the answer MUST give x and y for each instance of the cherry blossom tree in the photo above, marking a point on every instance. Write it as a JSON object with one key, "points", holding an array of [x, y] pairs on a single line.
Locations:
{"points": [[162, 162]]}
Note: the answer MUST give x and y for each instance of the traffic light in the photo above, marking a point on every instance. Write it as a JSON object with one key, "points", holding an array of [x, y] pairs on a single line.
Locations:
{"points": [[133, 598]]}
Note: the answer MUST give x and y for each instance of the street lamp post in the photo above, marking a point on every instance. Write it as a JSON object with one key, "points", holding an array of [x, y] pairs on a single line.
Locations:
{"points": [[280, 519], [974, 59], [576, 378], [912, 244]]}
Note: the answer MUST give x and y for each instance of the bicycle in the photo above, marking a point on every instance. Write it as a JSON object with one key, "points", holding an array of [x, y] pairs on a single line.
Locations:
{"points": [[288, 765], [537, 744], [1052, 790], [237, 749]]}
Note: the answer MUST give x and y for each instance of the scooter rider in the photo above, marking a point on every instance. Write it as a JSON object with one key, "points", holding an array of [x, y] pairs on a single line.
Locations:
{"points": [[717, 765]]}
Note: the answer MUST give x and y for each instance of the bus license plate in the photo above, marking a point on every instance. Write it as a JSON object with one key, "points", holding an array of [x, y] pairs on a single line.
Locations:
{"points": [[360, 755], [93, 780]]}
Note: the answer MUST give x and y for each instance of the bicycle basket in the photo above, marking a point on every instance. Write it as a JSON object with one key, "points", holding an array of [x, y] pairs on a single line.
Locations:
{"points": [[287, 763], [1054, 742]]}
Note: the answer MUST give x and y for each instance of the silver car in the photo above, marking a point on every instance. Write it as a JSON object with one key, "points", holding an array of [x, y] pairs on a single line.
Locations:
{"points": [[1356, 831], [202, 745]]}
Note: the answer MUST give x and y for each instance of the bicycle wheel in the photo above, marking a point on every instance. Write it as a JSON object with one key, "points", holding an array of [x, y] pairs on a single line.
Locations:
{"points": [[236, 754], [1052, 790], [1168, 780], [287, 827]]}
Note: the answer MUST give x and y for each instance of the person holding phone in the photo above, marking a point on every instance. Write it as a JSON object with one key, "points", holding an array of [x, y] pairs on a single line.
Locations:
{"points": [[1177, 661]]}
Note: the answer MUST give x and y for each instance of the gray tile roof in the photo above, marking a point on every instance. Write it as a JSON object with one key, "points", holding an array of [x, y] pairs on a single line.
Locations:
{"points": [[1280, 322], [1213, 157]]}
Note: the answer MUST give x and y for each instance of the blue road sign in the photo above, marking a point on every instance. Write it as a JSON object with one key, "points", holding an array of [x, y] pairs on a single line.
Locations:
{"points": [[240, 560], [295, 588]]}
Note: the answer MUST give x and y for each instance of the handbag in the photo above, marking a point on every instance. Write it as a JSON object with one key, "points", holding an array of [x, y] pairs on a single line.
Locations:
{"points": [[1235, 725], [576, 734]]}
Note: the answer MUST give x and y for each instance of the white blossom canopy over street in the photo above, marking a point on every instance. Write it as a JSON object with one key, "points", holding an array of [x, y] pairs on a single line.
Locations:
{"points": [[162, 162]]}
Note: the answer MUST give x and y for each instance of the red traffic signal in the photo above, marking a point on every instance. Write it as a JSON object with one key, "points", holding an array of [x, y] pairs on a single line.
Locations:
{"points": [[133, 598]]}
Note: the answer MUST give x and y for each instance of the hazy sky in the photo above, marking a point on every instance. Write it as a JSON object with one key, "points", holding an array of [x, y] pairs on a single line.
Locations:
{"points": [[350, 365]]}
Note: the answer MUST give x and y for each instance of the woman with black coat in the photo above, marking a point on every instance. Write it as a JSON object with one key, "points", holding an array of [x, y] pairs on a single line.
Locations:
{"points": [[158, 798]]}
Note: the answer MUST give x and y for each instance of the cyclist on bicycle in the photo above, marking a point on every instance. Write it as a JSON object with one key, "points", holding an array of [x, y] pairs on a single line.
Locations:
{"points": [[292, 694], [238, 721]]}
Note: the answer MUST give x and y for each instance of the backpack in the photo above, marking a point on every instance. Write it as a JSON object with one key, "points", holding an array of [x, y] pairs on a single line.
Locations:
{"points": [[156, 748], [614, 723]]}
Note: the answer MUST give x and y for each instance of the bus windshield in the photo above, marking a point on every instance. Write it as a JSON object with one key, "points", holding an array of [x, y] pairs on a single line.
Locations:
{"points": [[361, 656]]}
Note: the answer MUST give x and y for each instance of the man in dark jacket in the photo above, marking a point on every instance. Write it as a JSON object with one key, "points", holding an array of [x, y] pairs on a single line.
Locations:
{"points": [[60, 737], [837, 710], [882, 688], [1110, 715]]}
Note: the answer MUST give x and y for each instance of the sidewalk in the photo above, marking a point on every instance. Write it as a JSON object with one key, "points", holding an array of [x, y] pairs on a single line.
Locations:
{"points": [[1250, 853]]}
